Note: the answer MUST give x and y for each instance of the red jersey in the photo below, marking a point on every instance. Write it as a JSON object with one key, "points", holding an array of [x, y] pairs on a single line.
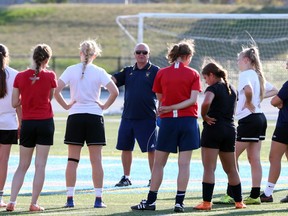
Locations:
{"points": [[35, 98], [175, 83]]}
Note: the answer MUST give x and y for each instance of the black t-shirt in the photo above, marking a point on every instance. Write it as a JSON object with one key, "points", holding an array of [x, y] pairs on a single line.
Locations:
{"points": [[223, 105]]}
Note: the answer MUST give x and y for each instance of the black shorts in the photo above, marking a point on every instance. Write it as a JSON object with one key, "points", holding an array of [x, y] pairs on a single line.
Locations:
{"points": [[219, 136], [252, 128], [8, 137], [40, 132], [280, 135], [84, 127]]}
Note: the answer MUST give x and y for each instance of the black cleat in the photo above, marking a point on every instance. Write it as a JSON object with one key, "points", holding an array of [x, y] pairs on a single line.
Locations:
{"points": [[123, 182], [144, 206]]}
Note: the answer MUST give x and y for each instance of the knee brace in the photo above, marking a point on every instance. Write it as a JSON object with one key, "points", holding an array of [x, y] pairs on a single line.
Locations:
{"points": [[73, 159]]}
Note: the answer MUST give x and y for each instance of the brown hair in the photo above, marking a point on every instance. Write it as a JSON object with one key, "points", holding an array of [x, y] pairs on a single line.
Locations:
{"points": [[180, 50], [41, 53], [4, 60], [216, 69]]}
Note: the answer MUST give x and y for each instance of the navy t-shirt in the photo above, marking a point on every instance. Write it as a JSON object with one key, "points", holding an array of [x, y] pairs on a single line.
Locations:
{"points": [[223, 105], [139, 99], [282, 120]]}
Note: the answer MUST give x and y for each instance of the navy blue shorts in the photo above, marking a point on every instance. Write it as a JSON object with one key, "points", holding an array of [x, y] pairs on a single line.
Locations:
{"points": [[280, 135], [9, 137], [219, 136], [143, 130], [252, 128], [85, 127], [178, 134], [39, 132]]}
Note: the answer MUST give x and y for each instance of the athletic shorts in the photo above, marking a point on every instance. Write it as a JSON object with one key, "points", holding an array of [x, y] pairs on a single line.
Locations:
{"points": [[85, 127], [40, 132], [142, 130], [219, 136], [178, 134], [8, 137], [252, 128], [280, 135]]}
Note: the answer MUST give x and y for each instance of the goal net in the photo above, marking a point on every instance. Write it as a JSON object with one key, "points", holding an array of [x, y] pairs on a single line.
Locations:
{"points": [[219, 36]]}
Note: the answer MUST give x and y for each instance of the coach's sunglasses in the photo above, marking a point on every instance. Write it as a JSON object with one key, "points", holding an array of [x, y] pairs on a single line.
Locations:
{"points": [[138, 52]]}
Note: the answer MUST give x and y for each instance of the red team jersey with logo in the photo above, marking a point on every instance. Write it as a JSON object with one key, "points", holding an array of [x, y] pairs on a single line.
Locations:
{"points": [[35, 98], [175, 83]]}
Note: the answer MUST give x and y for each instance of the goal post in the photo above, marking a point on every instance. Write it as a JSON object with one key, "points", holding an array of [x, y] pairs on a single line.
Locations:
{"points": [[219, 36]]}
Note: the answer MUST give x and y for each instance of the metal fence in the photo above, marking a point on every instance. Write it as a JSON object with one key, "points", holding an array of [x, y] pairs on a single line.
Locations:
{"points": [[60, 63]]}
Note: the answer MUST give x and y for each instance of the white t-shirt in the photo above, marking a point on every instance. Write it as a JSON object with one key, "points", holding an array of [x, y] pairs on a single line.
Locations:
{"points": [[249, 78], [85, 91], [8, 117]]}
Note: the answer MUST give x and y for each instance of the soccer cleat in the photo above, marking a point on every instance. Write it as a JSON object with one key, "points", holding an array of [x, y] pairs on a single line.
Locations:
{"points": [[265, 198], [98, 203], [144, 206], [226, 199], [2, 204], [149, 183], [123, 182], [252, 201], [10, 207], [204, 206], [179, 207], [240, 205], [69, 203], [35, 208], [284, 200]]}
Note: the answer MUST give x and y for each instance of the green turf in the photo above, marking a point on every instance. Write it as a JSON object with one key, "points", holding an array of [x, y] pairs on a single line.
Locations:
{"points": [[111, 129], [119, 204]]}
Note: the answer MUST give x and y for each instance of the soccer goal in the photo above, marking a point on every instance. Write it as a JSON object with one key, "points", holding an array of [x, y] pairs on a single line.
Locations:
{"points": [[220, 36]]}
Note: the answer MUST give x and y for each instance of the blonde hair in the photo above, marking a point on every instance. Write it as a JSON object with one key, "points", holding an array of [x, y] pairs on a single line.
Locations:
{"points": [[252, 53], [89, 48]]}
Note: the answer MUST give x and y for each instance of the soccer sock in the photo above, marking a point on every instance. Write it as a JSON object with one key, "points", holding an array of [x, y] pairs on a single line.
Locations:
{"points": [[255, 192], [229, 191], [98, 192], [269, 189], [207, 191], [127, 177], [152, 197], [180, 197], [70, 191], [237, 192]]}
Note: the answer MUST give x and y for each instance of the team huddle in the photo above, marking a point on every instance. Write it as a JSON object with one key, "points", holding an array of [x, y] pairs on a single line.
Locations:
{"points": [[164, 98]]}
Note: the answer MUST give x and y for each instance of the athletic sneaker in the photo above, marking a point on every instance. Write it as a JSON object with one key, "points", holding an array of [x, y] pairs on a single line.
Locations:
{"points": [[99, 203], [284, 200], [251, 201], [179, 207], [35, 208], [226, 199], [69, 203], [265, 198], [10, 207], [2, 204], [143, 206], [123, 182], [204, 206], [240, 205]]}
